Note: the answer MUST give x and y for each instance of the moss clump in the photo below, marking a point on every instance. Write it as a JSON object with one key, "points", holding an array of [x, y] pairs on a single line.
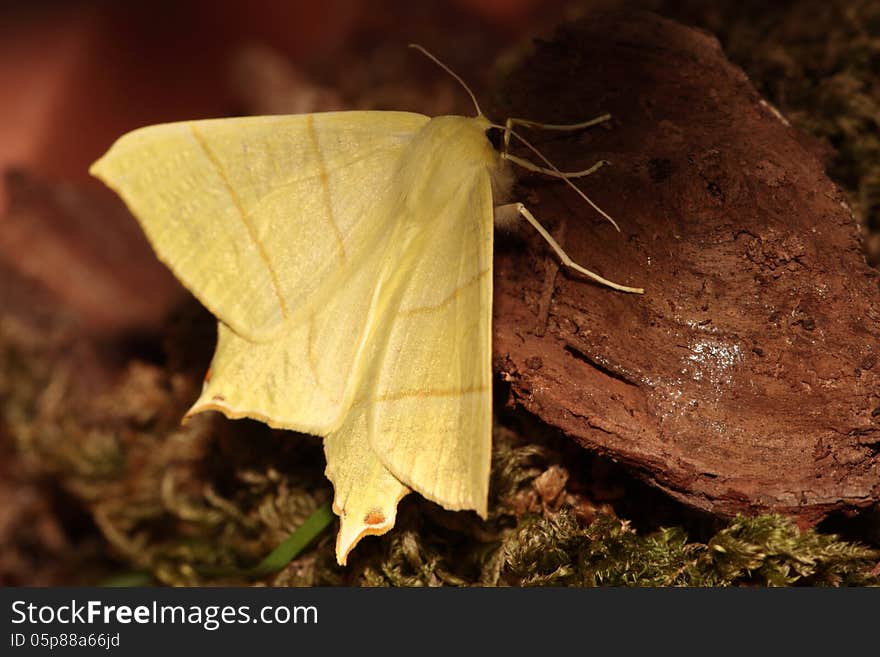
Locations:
{"points": [[767, 550]]}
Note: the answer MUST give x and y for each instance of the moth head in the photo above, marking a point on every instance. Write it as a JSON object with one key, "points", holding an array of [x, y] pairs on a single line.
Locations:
{"points": [[499, 137], [495, 135]]}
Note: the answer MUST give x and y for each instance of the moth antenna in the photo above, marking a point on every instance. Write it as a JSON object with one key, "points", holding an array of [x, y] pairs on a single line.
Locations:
{"points": [[566, 179], [451, 72]]}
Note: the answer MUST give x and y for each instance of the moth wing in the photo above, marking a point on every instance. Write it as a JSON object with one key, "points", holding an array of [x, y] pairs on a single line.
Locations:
{"points": [[431, 412], [304, 379], [365, 493], [258, 216], [425, 421]]}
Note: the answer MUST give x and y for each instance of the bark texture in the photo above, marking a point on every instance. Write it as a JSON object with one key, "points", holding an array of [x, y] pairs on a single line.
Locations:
{"points": [[746, 378]]}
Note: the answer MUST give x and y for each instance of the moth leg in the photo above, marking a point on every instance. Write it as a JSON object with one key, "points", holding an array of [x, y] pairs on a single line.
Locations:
{"points": [[530, 166], [508, 126], [505, 213], [551, 168], [551, 273]]}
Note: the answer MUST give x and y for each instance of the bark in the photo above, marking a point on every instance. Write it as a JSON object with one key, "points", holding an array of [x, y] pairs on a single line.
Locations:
{"points": [[746, 378]]}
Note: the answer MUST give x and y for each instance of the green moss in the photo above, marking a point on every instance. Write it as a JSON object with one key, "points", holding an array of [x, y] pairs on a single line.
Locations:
{"points": [[767, 550]]}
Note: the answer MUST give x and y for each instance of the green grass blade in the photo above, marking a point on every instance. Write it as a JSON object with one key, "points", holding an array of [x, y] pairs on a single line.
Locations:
{"points": [[298, 541]]}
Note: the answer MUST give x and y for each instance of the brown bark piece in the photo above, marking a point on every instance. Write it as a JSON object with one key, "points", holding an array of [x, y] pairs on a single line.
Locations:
{"points": [[746, 378]]}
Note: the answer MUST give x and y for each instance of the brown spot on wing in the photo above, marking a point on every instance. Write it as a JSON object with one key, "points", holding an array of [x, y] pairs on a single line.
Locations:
{"points": [[219, 398], [374, 517]]}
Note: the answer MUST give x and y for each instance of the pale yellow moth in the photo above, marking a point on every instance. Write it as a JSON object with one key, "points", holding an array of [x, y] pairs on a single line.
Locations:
{"points": [[348, 259]]}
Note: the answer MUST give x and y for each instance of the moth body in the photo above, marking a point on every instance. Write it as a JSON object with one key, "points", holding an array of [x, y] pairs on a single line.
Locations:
{"points": [[448, 153], [348, 259]]}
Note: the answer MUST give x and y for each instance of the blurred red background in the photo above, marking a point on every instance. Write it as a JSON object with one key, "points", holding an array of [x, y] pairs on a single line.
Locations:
{"points": [[77, 74]]}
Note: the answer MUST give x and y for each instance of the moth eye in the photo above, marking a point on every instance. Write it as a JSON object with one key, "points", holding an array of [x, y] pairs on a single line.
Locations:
{"points": [[495, 136]]}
